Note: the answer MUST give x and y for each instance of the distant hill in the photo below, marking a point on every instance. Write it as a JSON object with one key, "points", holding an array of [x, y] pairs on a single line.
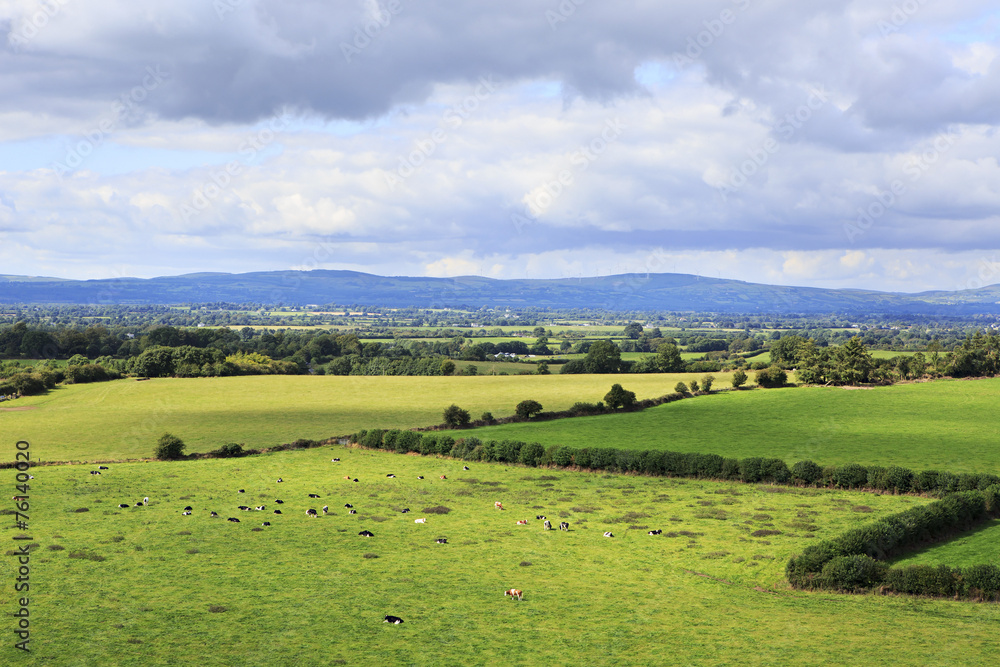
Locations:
{"points": [[654, 291]]}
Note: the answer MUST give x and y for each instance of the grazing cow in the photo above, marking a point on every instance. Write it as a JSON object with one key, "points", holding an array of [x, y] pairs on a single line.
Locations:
{"points": [[522, 522], [498, 505], [420, 476], [540, 517], [314, 495], [546, 525], [259, 508], [242, 507], [277, 511], [366, 533], [233, 520], [214, 514], [443, 540], [514, 593], [241, 491], [311, 512], [393, 476], [563, 525], [404, 510], [608, 534], [348, 505], [280, 480], [443, 477], [352, 511], [95, 472], [139, 504], [326, 509], [347, 476], [395, 620], [654, 532], [355, 479], [188, 507], [465, 467], [103, 468], [266, 523], [246, 509], [420, 521], [186, 513], [334, 460], [123, 505], [145, 501], [279, 502]]}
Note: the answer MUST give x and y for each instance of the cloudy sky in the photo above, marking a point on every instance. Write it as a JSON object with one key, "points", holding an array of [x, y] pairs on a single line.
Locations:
{"points": [[829, 143]]}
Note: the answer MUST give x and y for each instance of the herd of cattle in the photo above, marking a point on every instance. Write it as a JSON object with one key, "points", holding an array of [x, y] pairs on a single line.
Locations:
{"points": [[313, 513]]}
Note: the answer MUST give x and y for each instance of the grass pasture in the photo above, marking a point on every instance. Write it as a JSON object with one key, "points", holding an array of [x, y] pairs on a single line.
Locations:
{"points": [[948, 425], [123, 418], [976, 547], [302, 592]]}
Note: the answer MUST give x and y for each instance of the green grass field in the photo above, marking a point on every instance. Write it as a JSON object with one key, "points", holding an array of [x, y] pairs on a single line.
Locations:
{"points": [[302, 591], [974, 548], [950, 425], [123, 419]]}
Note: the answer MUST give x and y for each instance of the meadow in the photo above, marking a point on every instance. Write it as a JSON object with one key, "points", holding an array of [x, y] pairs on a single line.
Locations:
{"points": [[122, 419], [981, 545], [149, 586], [950, 425]]}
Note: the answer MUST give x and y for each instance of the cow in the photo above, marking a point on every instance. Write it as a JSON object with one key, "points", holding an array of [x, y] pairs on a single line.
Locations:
{"points": [[242, 507], [540, 517], [546, 525], [355, 479], [95, 472], [277, 511], [260, 508], [189, 508], [314, 495], [326, 509], [563, 525], [279, 502], [347, 477], [348, 505], [245, 508], [443, 477], [103, 468], [420, 476], [233, 520], [311, 512], [266, 523], [122, 505], [393, 476], [214, 514], [334, 460], [514, 593], [442, 540], [404, 510], [498, 505], [145, 501], [395, 620], [522, 522], [280, 480], [608, 534], [655, 532], [420, 521], [352, 511], [241, 491], [366, 533], [186, 513], [465, 467], [139, 505]]}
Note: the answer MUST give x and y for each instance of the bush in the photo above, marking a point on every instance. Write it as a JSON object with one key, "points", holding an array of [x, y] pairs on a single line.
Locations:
{"points": [[229, 450], [530, 454], [563, 457], [619, 397], [850, 476], [456, 416], [681, 388], [739, 379], [772, 377], [807, 472], [445, 444], [706, 383], [853, 573], [487, 417], [525, 409], [586, 409], [169, 447], [695, 387]]}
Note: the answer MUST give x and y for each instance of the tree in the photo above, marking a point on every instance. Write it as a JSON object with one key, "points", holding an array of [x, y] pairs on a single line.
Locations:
{"points": [[169, 447], [456, 416], [633, 330], [669, 358], [619, 397], [681, 388], [527, 408], [772, 377], [706, 383], [487, 417], [543, 368], [603, 357], [739, 379], [447, 367]]}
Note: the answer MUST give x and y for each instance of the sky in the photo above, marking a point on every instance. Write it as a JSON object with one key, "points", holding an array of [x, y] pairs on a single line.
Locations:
{"points": [[828, 143]]}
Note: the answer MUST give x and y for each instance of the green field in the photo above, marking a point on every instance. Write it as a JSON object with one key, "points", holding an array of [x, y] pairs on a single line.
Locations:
{"points": [[123, 418], [974, 548], [302, 592], [950, 425]]}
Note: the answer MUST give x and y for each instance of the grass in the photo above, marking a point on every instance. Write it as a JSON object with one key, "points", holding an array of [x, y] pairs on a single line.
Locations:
{"points": [[124, 418], [949, 425], [977, 547], [303, 591]]}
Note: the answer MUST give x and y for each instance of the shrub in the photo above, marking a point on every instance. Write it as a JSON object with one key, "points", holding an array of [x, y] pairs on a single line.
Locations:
{"points": [[487, 417], [695, 387], [619, 397], [850, 476], [807, 472], [169, 447], [681, 388], [775, 376], [751, 469], [456, 416], [853, 573], [586, 409], [445, 444], [530, 454], [581, 457], [739, 379], [428, 444], [507, 451], [706, 383], [923, 580], [229, 450]]}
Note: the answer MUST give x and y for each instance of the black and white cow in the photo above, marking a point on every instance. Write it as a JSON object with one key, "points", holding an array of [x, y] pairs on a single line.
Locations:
{"points": [[95, 472], [233, 520], [326, 509], [266, 523], [334, 460], [241, 491], [348, 505], [122, 505], [608, 534], [189, 508], [366, 533], [103, 468], [391, 475], [546, 525], [260, 508], [311, 512], [442, 540], [563, 525], [314, 495], [280, 502], [395, 620], [280, 480], [277, 511], [655, 532], [214, 514], [186, 513], [352, 511], [540, 517]]}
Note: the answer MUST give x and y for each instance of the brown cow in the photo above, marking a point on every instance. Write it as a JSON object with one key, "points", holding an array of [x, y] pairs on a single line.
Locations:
{"points": [[514, 593]]}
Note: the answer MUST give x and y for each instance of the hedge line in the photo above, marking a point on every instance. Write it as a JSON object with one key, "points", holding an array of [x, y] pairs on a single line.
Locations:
{"points": [[851, 561], [893, 479]]}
